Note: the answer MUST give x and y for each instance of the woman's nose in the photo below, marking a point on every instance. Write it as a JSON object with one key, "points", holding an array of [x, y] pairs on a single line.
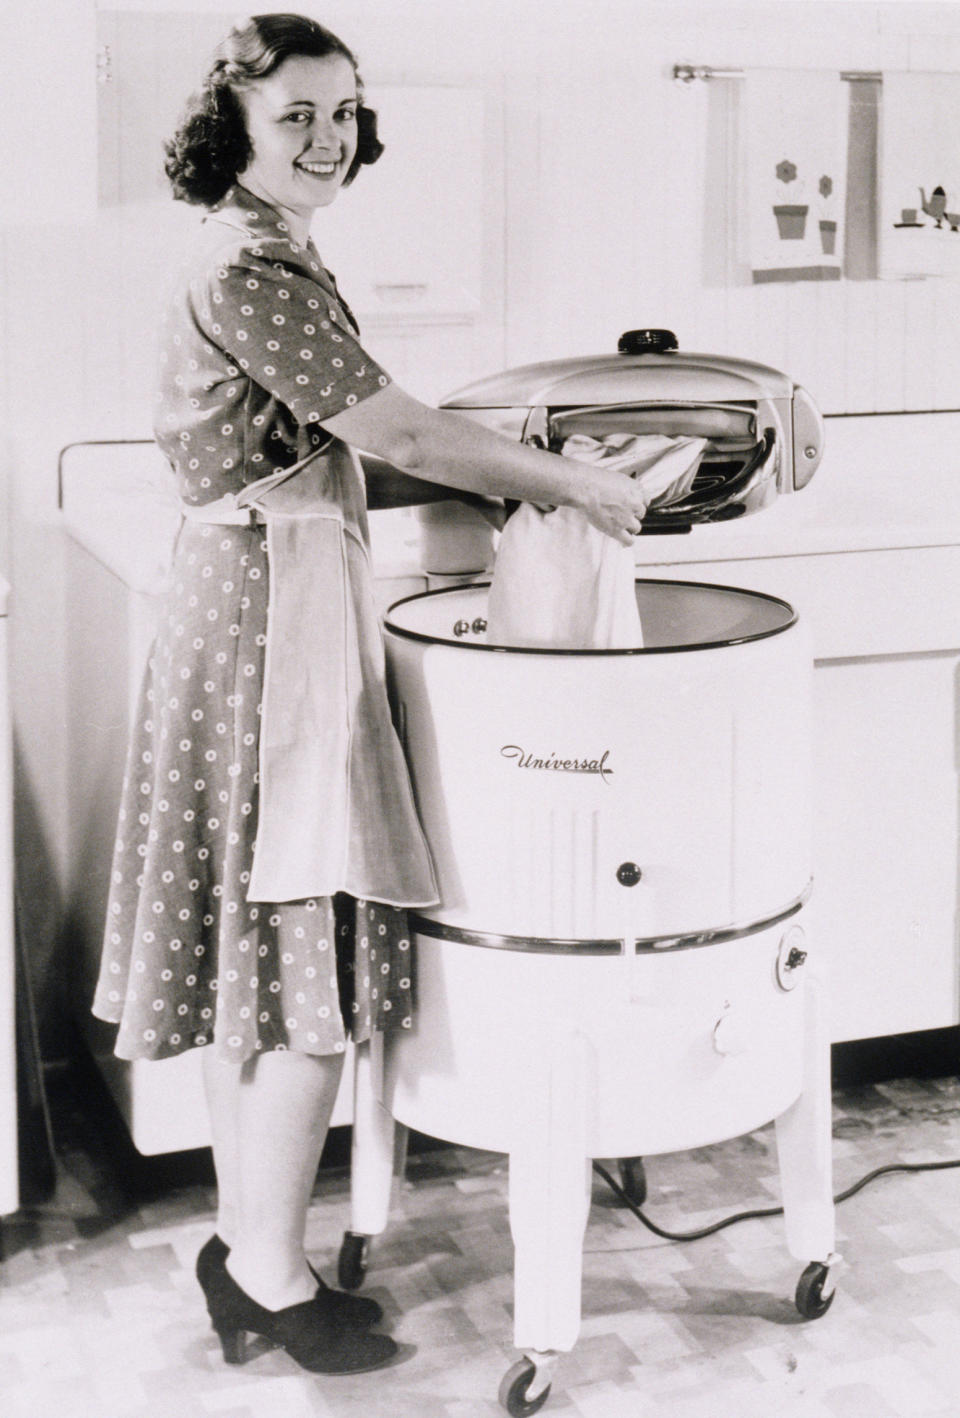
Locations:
{"points": [[323, 133]]}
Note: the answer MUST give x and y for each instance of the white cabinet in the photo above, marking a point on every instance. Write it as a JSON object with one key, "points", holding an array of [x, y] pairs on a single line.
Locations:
{"points": [[8, 1076], [148, 64], [884, 905], [405, 239], [415, 242], [47, 160]]}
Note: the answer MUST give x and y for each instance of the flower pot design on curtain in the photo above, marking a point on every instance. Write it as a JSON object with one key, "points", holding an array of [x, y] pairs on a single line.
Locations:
{"points": [[828, 225], [791, 216]]}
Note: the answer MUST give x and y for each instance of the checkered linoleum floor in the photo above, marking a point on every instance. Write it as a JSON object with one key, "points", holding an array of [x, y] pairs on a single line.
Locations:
{"points": [[100, 1316]]}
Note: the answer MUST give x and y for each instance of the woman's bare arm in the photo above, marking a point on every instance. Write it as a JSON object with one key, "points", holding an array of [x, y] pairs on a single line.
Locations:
{"points": [[387, 486], [442, 446]]}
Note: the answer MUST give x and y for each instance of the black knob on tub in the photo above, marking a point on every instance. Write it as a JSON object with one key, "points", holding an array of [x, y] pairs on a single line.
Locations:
{"points": [[647, 342], [628, 873]]}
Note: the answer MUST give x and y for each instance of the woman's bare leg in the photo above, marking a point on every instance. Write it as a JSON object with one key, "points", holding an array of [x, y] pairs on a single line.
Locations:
{"points": [[221, 1083], [269, 1118]]}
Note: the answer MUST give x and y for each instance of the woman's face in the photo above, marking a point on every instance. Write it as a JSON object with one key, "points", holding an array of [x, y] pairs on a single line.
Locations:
{"points": [[302, 125]]}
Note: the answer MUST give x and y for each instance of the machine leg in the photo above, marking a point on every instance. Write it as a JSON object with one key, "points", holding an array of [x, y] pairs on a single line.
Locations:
{"points": [[378, 1156], [550, 1180], [804, 1147]]}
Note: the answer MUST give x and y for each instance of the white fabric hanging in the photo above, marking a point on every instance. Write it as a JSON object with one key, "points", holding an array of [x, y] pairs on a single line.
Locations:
{"points": [[560, 583], [794, 136]]}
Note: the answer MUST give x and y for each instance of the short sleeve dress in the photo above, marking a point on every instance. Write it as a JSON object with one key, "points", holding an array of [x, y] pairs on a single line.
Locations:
{"points": [[257, 348]]}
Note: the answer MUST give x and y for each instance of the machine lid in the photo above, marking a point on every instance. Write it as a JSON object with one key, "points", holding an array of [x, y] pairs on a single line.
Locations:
{"points": [[647, 367]]}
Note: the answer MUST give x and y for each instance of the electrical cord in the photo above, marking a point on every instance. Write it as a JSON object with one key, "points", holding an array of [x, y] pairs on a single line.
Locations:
{"points": [[762, 1212]]}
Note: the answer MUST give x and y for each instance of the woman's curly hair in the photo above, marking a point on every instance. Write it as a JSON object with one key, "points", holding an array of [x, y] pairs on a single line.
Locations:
{"points": [[212, 147]]}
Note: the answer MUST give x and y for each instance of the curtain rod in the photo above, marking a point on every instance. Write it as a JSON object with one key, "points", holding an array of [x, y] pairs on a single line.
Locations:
{"points": [[688, 73]]}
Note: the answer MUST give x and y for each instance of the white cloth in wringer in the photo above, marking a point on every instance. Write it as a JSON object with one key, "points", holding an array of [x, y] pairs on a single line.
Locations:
{"points": [[559, 582]]}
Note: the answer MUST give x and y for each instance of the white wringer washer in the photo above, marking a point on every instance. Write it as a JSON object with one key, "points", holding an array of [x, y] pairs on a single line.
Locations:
{"points": [[619, 966]]}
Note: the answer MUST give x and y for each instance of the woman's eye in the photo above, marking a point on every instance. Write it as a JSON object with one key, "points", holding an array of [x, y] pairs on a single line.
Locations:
{"points": [[297, 118], [347, 115]]}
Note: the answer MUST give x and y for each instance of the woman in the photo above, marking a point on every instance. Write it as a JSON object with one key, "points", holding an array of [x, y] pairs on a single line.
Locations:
{"points": [[268, 841]]}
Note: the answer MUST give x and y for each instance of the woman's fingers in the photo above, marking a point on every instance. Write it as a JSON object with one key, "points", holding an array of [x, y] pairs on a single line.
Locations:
{"points": [[620, 518], [630, 520], [622, 529]]}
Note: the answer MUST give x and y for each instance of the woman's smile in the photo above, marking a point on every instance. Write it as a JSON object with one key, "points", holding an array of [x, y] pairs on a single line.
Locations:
{"points": [[316, 167], [322, 168]]}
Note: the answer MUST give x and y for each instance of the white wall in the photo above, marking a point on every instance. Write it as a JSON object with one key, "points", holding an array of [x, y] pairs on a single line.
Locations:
{"points": [[610, 227], [593, 194]]}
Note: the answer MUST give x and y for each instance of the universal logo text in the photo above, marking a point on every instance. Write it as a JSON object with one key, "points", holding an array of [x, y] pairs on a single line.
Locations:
{"points": [[523, 759]]}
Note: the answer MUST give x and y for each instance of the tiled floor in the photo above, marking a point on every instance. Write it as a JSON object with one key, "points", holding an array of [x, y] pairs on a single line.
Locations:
{"points": [[100, 1316]]}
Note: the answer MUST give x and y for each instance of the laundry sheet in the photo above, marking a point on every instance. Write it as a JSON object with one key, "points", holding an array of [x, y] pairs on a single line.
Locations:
{"points": [[920, 176], [559, 582], [794, 152]]}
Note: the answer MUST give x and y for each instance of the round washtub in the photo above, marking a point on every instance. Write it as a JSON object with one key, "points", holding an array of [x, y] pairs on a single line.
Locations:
{"points": [[622, 846]]}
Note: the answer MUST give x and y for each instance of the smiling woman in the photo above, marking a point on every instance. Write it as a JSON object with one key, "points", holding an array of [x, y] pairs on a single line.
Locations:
{"points": [[269, 844], [214, 144]]}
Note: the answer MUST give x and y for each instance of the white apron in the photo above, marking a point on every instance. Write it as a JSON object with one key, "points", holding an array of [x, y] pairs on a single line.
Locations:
{"points": [[336, 806]]}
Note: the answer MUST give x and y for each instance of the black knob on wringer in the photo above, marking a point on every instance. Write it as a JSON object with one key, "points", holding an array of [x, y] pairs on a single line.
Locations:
{"points": [[647, 342], [628, 874]]}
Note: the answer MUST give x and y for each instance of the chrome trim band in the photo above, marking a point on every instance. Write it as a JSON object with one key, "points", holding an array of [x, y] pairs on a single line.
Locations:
{"points": [[657, 945], [643, 945]]}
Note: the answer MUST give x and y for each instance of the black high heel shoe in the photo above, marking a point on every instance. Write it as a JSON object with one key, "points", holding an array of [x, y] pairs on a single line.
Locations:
{"points": [[360, 1311], [308, 1332]]}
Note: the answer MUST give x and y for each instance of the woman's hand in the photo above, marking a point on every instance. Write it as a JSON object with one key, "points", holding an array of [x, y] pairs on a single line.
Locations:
{"points": [[612, 502]]}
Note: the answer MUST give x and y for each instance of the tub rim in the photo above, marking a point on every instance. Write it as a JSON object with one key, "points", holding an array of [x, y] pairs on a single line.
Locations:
{"points": [[559, 651]]}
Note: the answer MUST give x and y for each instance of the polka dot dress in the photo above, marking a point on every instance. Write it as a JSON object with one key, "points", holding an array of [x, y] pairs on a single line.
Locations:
{"points": [[256, 348]]}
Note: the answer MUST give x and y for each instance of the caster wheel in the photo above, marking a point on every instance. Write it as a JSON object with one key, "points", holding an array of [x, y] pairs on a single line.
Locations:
{"points": [[352, 1264], [810, 1299], [513, 1390], [633, 1179]]}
